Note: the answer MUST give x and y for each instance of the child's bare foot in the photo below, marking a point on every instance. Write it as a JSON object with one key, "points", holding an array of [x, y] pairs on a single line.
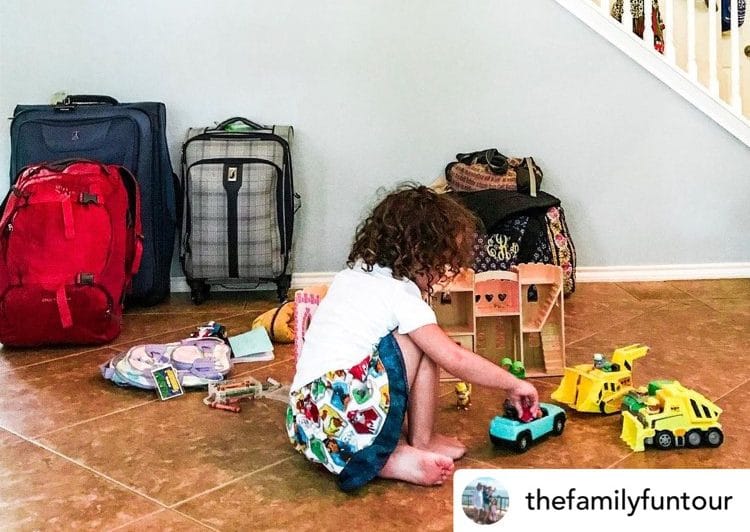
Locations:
{"points": [[417, 466], [447, 446]]}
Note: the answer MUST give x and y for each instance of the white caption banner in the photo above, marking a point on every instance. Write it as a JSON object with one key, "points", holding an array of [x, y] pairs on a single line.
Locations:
{"points": [[601, 499]]}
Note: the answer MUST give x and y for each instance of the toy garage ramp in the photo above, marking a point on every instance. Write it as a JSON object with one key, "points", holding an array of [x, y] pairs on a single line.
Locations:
{"points": [[543, 317], [588, 389]]}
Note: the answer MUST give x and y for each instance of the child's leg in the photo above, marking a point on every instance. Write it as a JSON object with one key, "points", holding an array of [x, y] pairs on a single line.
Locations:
{"points": [[423, 376]]}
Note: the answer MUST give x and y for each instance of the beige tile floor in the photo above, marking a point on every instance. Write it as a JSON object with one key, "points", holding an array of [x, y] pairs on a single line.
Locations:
{"points": [[79, 453]]}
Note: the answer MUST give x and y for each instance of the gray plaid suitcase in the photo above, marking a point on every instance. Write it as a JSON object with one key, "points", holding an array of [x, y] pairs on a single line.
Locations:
{"points": [[239, 206]]}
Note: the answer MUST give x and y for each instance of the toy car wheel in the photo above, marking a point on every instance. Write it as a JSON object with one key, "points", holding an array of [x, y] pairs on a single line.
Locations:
{"points": [[664, 439], [714, 437], [693, 438], [523, 441], [559, 424]]}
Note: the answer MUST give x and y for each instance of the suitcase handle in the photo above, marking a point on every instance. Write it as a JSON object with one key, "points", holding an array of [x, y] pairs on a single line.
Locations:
{"points": [[229, 121], [77, 99]]}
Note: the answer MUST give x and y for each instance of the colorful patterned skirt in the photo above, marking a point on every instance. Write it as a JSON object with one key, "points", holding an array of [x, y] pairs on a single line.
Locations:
{"points": [[350, 420]]}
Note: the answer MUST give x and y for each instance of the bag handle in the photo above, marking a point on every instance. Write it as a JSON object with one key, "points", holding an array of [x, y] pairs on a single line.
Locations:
{"points": [[89, 99], [495, 161], [249, 123], [62, 164]]}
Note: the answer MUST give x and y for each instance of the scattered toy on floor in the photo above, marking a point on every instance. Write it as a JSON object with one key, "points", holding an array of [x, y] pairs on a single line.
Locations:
{"points": [[211, 330], [666, 415], [515, 368], [587, 388], [463, 395], [227, 395], [278, 323], [511, 429]]}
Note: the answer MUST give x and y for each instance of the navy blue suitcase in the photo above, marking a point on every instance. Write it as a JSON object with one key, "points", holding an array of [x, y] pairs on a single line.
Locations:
{"points": [[129, 134]]}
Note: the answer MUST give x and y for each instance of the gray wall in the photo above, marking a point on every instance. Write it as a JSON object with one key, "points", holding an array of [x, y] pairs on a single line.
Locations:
{"points": [[382, 91]]}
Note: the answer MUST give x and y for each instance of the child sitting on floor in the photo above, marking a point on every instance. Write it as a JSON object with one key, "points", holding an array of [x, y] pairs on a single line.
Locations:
{"points": [[364, 397]]}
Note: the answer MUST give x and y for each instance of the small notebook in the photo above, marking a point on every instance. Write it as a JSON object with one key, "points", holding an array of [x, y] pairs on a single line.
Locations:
{"points": [[252, 346]]}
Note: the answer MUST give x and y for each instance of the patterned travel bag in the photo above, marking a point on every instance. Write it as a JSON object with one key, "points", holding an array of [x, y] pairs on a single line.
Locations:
{"points": [[239, 209], [519, 228]]}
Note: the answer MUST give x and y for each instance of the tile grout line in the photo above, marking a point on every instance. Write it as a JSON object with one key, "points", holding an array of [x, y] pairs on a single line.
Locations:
{"points": [[231, 316], [227, 483], [87, 468], [154, 513], [620, 460], [112, 347], [659, 306], [118, 411], [730, 391], [55, 359]]}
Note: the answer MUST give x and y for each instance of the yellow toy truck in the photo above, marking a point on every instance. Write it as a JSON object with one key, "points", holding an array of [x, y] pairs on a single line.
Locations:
{"points": [[666, 415], [600, 387]]}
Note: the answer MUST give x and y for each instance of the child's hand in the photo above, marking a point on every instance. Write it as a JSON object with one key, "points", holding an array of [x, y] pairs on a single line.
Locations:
{"points": [[524, 394]]}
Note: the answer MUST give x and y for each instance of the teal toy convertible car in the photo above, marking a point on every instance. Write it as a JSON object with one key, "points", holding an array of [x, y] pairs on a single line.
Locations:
{"points": [[509, 430]]}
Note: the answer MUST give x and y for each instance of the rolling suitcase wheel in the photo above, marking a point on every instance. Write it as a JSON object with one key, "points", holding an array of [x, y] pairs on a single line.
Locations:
{"points": [[199, 292], [283, 285]]}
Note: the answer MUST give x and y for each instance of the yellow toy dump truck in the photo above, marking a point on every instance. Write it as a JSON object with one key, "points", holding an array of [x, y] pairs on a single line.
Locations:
{"points": [[666, 415], [588, 388]]}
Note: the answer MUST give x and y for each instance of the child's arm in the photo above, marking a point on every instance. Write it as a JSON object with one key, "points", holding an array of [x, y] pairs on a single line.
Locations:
{"points": [[468, 366]]}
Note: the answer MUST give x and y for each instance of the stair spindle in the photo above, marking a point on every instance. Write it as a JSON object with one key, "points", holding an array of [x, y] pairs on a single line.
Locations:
{"points": [[713, 75], [648, 30], [669, 51], [692, 64], [736, 98]]}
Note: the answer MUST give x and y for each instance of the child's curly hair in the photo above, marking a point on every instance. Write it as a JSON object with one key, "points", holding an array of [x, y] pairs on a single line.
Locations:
{"points": [[415, 230]]}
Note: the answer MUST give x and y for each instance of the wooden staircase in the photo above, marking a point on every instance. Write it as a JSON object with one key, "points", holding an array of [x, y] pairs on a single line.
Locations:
{"points": [[701, 63]]}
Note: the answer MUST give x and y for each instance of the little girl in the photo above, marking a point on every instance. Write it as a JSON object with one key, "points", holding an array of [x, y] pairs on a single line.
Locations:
{"points": [[364, 396]]}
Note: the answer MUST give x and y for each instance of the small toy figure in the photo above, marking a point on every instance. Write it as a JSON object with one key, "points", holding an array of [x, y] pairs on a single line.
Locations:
{"points": [[516, 368], [511, 412], [211, 330], [603, 364], [463, 395], [652, 405]]}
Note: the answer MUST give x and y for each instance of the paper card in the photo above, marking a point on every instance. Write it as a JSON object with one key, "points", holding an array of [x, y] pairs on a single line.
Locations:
{"points": [[250, 343], [167, 382]]}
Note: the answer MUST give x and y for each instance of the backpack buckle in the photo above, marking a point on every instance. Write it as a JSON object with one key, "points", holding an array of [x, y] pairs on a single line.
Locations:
{"points": [[85, 278], [87, 197]]}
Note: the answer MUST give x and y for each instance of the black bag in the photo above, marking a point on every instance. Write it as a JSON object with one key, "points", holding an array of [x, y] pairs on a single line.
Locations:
{"points": [[518, 229], [99, 128]]}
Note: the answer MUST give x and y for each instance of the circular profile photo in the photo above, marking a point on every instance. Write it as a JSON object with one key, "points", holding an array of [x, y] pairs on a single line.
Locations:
{"points": [[484, 501]]}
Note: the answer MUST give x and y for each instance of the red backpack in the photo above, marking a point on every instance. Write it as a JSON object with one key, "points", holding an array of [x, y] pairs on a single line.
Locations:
{"points": [[70, 242]]}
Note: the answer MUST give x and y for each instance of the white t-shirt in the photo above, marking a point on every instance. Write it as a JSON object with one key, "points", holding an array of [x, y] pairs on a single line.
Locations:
{"points": [[358, 310]]}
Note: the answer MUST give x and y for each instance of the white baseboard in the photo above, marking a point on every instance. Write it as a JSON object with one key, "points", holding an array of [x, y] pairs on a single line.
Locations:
{"points": [[662, 272], [584, 274]]}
